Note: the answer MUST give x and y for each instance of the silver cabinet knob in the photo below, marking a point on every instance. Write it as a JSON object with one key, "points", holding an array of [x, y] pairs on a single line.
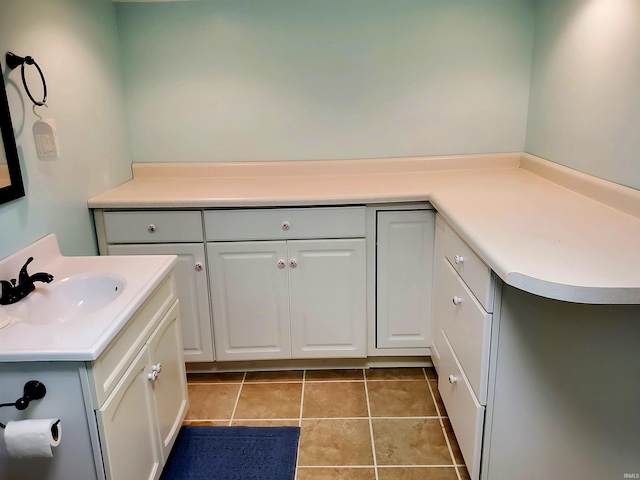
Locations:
{"points": [[157, 367], [286, 225], [153, 376], [457, 300], [452, 379], [282, 264], [293, 263], [198, 266], [458, 259], [151, 228]]}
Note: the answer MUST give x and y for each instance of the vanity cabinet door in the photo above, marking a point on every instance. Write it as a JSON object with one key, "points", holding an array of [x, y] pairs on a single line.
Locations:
{"points": [[193, 292], [249, 293], [327, 281], [404, 278], [169, 386], [128, 426]]}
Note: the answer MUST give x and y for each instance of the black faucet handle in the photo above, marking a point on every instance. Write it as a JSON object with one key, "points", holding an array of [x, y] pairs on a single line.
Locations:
{"points": [[24, 276]]}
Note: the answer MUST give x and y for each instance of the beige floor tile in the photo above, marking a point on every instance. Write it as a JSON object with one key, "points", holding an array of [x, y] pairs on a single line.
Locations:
{"points": [[211, 401], [410, 442], [417, 473], [436, 393], [323, 375], [457, 454], [431, 373], [269, 400], [334, 400], [265, 423], [215, 377], [283, 376], [336, 473], [335, 443], [206, 423], [395, 374], [400, 399]]}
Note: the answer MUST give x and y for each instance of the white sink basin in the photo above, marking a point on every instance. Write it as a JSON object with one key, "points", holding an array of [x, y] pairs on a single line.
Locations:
{"points": [[82, 310], [73, 298]]}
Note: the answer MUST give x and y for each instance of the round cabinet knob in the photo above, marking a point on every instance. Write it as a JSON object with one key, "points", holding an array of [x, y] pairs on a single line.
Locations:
{"points": [[198, 267], [293, 263], [157, 367], [151, 228], [286, 226], [282, 264], [153, 376], [452, 379], [457, 300], [458, 259]]}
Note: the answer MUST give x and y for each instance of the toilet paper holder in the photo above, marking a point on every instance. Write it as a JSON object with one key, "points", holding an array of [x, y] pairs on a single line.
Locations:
{"points": [[33, 390]]}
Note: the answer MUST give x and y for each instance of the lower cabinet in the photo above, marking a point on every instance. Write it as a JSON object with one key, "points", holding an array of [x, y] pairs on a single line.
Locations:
{"points": [[142, 414], [288, 299]]}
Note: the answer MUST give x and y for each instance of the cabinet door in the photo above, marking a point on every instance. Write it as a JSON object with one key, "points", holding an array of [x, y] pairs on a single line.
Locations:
{"points": [[249, 293], [170, 385], [128, 427], [404, 278], [328, 298], [191, 283]]}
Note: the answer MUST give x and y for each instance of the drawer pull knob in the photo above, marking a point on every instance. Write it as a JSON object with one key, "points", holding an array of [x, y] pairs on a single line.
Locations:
{"points": [[198, 267], [151, 228], [282, 264], [457, 300], [293, 263], [452, 379], [286, 226], [458, 259]]}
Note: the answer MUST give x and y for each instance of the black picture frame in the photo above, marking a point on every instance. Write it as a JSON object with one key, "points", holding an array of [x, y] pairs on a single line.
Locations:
{"points": [[16, 187]]}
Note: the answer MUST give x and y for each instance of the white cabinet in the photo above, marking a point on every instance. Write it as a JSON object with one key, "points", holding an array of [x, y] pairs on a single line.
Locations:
{"points": [[293, 298], [159, 233], [463, 291], [404, 278], [139, 420]]}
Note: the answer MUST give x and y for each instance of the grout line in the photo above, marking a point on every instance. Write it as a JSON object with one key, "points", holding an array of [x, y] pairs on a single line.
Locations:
{"points": [[373, 444], [304, 376], [444, 431], [235, 406]]}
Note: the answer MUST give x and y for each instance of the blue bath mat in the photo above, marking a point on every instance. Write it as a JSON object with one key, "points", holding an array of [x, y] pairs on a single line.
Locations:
{"points": [[233, 453]]}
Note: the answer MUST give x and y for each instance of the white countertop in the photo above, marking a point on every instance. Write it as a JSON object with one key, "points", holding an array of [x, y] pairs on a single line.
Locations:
{"points": [[85, 338], [542, 228]]}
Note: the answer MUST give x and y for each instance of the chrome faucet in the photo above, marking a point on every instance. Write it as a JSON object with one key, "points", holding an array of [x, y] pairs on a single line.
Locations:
{"points": [[12, 293]]}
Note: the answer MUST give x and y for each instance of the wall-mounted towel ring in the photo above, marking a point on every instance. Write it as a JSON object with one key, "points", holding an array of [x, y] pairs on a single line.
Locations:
{"points": [[14, 61]]}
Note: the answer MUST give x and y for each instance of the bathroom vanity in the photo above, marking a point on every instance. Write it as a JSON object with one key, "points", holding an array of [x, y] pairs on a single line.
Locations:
{"points": [[105, 339], [533, 288]]}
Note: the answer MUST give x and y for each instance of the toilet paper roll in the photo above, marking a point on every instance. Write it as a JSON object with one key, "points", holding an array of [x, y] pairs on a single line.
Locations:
{"points": [[32, 438]]}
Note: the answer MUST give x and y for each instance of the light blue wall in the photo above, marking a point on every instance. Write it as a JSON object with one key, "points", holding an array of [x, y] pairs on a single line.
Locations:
{"points": [[75, 43], [584, 110], [220, 80]]}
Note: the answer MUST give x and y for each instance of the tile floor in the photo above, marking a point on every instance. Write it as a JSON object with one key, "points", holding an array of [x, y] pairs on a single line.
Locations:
{"points": [[376, 424]]}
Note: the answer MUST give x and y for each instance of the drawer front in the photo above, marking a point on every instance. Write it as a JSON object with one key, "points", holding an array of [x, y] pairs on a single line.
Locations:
{"points": [[108, 368], [467, 326], [153, 227], [465, 413], [475, 273], [292, 223]]}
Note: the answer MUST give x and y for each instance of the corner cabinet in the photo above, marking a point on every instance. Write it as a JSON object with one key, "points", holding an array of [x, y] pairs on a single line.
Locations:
{"points": [[139, 392], [288, 283]]}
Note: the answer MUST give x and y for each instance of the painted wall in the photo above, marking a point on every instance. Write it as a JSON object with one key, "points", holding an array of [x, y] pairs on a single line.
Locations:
{"points": [[75, 43], [221, 80], [584, 110]]}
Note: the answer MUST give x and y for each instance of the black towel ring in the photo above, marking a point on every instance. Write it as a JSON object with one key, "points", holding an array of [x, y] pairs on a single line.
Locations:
{"points": [[14, 61]]}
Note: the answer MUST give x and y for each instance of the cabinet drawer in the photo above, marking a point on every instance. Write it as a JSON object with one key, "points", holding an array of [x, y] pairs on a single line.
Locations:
{"points": [[153, 227], [468, 328], [465, 413], [475, 273], [109, 367], [275, 224]]}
